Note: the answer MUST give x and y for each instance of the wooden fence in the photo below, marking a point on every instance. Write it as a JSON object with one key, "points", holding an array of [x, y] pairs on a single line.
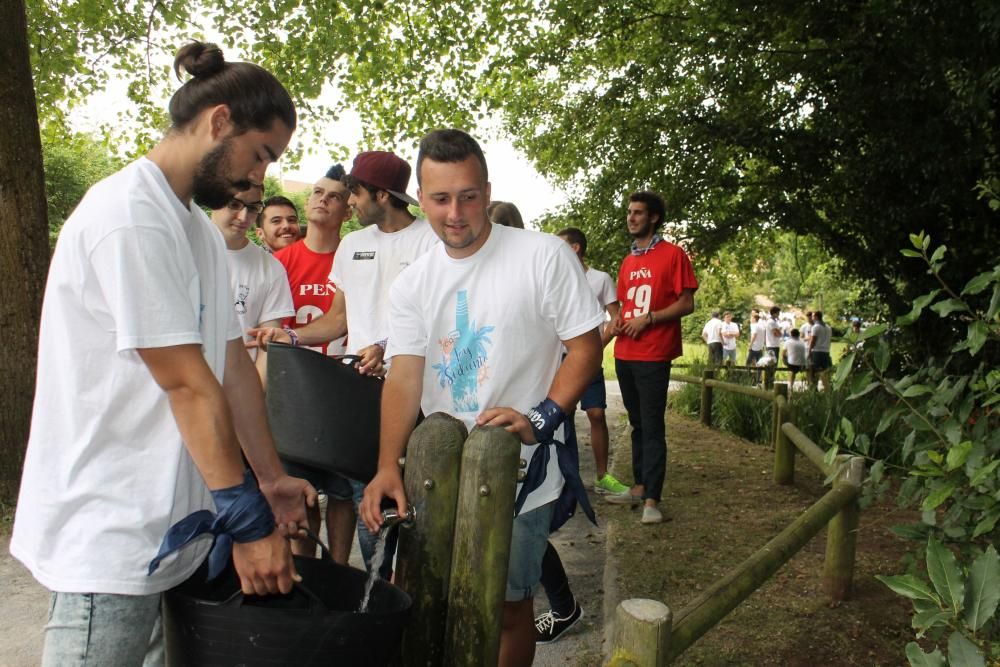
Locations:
{"points": [[647, 633]]}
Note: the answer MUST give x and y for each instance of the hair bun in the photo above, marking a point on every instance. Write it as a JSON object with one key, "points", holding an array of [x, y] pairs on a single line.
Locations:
{"points": [[199, 59]]}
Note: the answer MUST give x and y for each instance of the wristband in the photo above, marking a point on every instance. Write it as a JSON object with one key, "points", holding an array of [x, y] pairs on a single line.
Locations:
{"points": [[545, 418], [650, 316], [243, 516], [294, 336]]}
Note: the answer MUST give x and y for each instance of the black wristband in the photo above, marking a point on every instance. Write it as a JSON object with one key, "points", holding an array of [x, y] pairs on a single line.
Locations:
{"points": [[545, 418]]}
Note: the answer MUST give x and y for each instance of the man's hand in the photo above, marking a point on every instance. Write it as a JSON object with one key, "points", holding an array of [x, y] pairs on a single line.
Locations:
{"points": [[288, 497], [635, 326], [387, 483], [512, 421], [265, 566], [264, 335], [371, 360]]}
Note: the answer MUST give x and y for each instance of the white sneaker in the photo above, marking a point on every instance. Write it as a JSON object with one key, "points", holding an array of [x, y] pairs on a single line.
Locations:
{"points": [[651, 514]]}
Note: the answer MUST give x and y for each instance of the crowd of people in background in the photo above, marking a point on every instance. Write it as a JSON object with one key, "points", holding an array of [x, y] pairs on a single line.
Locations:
{"points": [[775, 341]]}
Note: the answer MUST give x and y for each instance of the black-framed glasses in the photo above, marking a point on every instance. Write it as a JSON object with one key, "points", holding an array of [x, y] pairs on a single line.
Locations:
{"points": [[236, 205]]}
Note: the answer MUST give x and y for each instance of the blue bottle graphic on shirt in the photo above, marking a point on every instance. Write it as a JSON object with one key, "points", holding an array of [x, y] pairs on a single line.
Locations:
{"points": [[465, 363]]}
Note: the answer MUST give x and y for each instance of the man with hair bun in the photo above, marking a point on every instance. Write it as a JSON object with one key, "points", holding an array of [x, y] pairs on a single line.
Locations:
{"points": [[145, 391]]}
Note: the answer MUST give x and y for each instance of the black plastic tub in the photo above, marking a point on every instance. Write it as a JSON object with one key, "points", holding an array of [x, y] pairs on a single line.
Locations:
{"points": [[213, 624]]}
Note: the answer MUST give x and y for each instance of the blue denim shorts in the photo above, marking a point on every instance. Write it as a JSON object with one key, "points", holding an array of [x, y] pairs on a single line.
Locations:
{"points": [[595, 395], [528, 540], [334, 485]]}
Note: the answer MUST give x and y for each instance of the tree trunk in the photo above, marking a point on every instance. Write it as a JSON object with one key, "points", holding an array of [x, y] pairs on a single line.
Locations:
{"points": [[23, 260]]}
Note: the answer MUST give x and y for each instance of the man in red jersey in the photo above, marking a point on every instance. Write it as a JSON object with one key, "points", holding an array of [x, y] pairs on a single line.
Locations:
{"points": [[656, 286], [309, 260], [308, 263]]}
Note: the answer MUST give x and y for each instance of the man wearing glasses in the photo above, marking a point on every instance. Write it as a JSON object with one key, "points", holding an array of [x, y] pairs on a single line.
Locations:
{"points": [[261, 295]]}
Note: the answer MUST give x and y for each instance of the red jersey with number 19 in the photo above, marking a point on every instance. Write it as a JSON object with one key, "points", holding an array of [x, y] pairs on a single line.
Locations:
{"points": [[653, 281], [312, 291]]}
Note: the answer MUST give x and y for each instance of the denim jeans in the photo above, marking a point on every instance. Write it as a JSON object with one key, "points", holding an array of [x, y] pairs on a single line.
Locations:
{"points": [[97, 629], [367, 540], [644, 387]]}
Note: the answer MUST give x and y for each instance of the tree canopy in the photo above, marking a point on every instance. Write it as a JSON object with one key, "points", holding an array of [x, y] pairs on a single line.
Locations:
{"points": [[853, 122]]}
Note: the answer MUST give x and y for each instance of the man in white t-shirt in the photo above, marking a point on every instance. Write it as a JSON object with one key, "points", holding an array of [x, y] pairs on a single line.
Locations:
{"points": [[819, 352], [730, 334], [772, 334], [595, 399], [711, 333], [477, 329], [134, 433], [261, 296], [794, 354], [365, 265]]}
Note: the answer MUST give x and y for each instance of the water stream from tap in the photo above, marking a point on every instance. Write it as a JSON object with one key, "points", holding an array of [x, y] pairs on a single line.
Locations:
{"points": [[375, 566]]}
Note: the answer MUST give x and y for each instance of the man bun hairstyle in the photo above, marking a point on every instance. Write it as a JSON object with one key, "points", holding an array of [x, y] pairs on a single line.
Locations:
{"points": [[254, 96], [450, 145], [654, 204], [575, 235]]}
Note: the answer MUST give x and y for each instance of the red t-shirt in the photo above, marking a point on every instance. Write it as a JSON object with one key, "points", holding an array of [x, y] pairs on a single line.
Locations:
{"points": [[312, 291], [653, 281]]}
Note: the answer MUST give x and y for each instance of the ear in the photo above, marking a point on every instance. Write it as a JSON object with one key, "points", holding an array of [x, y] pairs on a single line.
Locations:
{"points": [[220, 121]]}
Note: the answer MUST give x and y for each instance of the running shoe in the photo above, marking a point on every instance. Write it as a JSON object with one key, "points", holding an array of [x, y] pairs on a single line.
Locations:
{"points": [[608, 484]]}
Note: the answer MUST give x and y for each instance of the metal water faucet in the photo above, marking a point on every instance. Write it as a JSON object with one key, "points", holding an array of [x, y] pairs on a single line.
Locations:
{"points": [[391, 517]]}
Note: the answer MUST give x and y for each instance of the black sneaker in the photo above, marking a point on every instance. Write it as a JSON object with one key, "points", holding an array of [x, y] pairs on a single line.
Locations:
{"points": [[549, 627]]}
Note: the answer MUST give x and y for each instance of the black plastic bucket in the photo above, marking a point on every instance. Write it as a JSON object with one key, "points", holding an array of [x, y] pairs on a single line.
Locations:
{"points": [[214, 625], [323, 413]]}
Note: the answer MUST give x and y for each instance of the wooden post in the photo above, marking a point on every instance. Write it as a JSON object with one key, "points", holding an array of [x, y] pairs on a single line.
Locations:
{"points": [[481, 547], [784, 450], [433, 458], [842, 536], [642, 633], [706, 398]]}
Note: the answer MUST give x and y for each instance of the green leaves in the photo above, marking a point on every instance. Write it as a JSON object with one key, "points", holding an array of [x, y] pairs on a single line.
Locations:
{"points": [[983, 589], [963, 653], [909, 586], [946, 575], [918, 658], [918, 307]]}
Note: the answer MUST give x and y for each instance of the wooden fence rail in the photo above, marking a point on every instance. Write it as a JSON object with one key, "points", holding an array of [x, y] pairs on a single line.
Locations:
{"points": [[647, 632]]}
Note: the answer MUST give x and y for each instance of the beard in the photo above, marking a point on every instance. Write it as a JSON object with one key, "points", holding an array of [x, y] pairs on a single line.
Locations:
{"points": [[212, 189], [644, 231]]}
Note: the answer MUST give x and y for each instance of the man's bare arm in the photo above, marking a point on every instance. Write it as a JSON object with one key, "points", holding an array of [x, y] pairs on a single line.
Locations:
{"points": [[287, 495], [328, 326], [608, 328], [675, 311], [577, 371], [261, 361], [200, 409], [400, 406]]}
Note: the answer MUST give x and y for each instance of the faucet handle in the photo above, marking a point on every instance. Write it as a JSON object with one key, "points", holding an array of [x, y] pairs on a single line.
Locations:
{"points": [[391, 516]]}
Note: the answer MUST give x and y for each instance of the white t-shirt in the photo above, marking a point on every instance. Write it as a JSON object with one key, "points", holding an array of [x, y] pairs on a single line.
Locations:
{"points": [[821, 334], [365, 266], [772, 339], [729, 343], [795, 352], [603, 287], [757, 336], [490, 327], [805, 331], [713, 331], [260, 288], [106, 473]]}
